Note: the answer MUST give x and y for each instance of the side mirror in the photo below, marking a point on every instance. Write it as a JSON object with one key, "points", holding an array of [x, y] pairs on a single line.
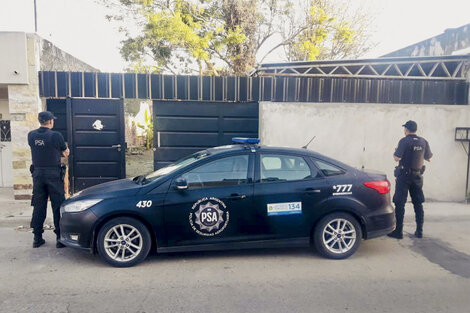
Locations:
{"points": [[181, 183]]}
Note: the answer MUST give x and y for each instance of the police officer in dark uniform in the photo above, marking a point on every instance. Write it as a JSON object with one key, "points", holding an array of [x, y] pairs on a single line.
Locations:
{"points": [[47, 147], [410, 155]]}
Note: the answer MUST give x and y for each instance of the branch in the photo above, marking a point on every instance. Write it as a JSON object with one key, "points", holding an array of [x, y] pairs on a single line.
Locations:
{"points": [[284, 43], [260, 43], [221, 56]]}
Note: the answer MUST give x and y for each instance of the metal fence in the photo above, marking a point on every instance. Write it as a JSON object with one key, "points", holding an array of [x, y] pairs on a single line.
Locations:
{"points": [[432, 80]]}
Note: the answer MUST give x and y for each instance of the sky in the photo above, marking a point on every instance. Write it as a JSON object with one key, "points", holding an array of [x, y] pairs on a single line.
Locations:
{"points": [[79, 26]]}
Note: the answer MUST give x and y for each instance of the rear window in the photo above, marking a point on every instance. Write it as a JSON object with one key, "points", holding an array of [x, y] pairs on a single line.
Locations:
{"points": [[276, 167], [328, 169]]}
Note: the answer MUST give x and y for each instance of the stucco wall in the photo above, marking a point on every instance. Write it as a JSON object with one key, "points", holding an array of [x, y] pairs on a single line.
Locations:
{"points": [[6, 175], [13, 63], [53, 58], [366, 135], [451, 40]]}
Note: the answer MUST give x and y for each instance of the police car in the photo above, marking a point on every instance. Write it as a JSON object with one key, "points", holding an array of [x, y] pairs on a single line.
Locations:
{"points": [[232, 197]]}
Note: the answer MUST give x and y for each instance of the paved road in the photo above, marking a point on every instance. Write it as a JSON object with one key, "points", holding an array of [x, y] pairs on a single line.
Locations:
{"points": [[385, 275]]}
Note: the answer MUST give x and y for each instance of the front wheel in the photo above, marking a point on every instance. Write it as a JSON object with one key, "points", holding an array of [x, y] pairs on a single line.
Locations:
{"points": [[337, 235], [123, 242]]}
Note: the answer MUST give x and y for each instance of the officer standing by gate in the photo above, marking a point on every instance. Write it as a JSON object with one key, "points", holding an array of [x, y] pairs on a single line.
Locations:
{"points": [[47, 147], [410, 155]]}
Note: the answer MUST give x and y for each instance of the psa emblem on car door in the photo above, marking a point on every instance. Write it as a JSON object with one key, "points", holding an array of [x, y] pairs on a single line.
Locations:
{"points": [[209, 216]]}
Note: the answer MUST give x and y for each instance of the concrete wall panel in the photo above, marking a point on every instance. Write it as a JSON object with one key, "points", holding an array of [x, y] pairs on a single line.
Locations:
{"points": [[366, 135], [13, 58]]}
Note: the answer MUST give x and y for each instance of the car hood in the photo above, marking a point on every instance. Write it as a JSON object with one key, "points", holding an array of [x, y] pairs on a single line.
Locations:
{"points": [[116, 188]]}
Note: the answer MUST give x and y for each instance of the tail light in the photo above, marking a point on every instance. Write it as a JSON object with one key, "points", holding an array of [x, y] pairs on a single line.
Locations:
{"points": [[381, 186]]}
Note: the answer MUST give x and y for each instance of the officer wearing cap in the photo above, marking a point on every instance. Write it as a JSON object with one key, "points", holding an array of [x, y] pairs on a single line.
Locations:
{"points": [[410, 155], [47, 147]]}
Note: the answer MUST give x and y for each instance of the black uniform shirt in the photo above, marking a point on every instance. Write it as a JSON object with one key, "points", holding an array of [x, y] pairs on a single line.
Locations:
{"points": [[46, 147], [413, 150]]}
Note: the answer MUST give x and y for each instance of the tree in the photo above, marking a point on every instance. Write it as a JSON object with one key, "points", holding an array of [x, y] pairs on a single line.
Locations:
{"points": [[326, 31], [228, 37], [147, 127]]}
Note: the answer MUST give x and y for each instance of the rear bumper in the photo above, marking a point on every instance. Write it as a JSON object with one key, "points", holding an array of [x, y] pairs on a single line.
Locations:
{"points": [[380, 223], [379, 233]]}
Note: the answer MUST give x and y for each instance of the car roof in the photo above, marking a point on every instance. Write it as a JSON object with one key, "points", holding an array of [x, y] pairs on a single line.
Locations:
{"points": [[261, 148], [273, 149]]}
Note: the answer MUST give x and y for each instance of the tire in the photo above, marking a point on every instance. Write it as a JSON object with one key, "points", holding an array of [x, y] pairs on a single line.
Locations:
{"points": [[123, 251], [333, 244]]}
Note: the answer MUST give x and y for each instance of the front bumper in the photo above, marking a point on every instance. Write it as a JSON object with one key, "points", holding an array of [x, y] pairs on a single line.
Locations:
{"points": [[76, 229]]}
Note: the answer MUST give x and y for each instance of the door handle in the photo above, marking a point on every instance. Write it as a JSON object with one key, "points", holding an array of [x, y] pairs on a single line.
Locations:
{"points": [[312, 190], [236, 196], [117, 146]]}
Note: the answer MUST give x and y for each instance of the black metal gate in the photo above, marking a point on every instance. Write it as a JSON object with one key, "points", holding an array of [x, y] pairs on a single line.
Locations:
{"points": [[95, 135], [184, 127], [59, 108]]}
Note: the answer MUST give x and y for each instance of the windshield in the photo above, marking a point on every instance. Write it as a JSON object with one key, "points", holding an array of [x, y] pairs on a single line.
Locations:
{"points": [[174, 166]]}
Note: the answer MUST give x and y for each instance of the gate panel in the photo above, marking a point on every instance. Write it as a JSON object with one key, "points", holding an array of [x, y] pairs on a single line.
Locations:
{"points": [[97, 141], [59, 109], [182, 128]]}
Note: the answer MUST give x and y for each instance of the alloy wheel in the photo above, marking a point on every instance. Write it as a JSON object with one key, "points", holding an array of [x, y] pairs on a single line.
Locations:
{"points": [[123, 242], [339, 235]]}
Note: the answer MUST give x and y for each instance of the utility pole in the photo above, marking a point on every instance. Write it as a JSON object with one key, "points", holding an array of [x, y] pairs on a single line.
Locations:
{"points": [[35, 18]]}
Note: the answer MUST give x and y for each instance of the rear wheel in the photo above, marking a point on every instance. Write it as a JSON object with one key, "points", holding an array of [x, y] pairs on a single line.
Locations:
{"points": [[123, 242], [337, 235]]}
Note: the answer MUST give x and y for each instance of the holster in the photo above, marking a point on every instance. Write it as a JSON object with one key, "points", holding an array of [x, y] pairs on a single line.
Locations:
{"points": [[31, 169], [398, 170], [63, 169], [423, 169]]}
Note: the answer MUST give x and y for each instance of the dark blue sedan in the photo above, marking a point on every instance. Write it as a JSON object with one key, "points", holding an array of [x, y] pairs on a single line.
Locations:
{"points": [[232, 197]]}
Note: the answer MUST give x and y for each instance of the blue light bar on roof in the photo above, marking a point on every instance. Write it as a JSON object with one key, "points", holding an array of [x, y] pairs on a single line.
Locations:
{"points": [[251, 141]]}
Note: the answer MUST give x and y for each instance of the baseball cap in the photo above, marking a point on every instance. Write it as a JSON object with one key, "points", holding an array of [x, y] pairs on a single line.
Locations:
{"points": [[45, 116], [411, 126]]}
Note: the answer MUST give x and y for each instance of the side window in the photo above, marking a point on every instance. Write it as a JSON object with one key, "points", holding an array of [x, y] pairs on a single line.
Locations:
{"points": [[276, 167], [222, 172], [328, 169]]}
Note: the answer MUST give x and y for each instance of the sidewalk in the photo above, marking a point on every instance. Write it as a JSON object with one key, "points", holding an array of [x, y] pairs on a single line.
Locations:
{"points": [[17, 213]]}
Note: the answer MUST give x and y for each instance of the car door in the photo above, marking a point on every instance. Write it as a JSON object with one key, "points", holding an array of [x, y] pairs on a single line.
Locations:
{"points": [[213, 207], [287, 189]]}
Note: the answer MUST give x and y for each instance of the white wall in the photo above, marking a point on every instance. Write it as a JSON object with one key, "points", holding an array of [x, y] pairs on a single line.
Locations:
{"points": [[367, 135], [6, 171], [13, 57]]}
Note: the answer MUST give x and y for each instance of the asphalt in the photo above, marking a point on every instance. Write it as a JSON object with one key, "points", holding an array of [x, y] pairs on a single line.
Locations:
{"points": [[385, 275]]}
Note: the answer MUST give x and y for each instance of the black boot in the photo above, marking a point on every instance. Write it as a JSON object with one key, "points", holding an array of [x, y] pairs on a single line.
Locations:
{"points": [[397, 233], [59, 244], [419, 231], [38, 241]]}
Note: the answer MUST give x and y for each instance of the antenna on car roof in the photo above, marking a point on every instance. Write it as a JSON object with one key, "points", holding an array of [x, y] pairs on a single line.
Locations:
{"points": [[306, 146]]}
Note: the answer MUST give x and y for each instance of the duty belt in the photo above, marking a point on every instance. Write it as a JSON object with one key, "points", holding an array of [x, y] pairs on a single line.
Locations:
{"points": [[411, 170], [47, 167]]}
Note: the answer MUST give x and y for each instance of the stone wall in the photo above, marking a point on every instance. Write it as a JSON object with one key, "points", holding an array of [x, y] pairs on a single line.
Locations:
{"points": [[24, 104]]}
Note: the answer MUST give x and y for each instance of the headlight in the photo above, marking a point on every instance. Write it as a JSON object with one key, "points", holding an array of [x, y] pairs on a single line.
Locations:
{"points": [[76, 194], [80, 205]]}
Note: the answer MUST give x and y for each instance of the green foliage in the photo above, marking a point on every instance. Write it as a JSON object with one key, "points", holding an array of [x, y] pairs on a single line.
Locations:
{"points": [[147, 127], [226, 37], [327, 33]]}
